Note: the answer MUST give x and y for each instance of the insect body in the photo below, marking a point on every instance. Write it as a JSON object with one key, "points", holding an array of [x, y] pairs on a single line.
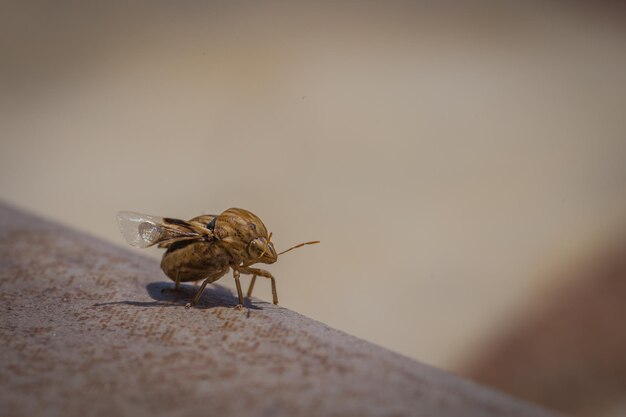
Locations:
{"points": [[206, 247]]}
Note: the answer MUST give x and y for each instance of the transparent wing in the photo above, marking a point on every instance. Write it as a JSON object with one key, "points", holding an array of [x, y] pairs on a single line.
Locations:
{"points": [[142, 230]]}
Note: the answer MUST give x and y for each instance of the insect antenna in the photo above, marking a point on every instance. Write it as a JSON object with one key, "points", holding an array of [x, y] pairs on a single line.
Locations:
{"points": [[299, 246]]}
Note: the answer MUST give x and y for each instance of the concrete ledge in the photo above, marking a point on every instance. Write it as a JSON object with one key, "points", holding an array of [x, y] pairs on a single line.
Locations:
{"points": [[85, 330]]}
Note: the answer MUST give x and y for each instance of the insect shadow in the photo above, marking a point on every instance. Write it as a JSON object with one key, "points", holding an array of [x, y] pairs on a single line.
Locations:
{"points": [[164, 295]]}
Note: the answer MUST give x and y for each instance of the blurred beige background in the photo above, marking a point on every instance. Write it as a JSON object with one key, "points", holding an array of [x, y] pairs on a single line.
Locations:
{"points": [[451, 160]]}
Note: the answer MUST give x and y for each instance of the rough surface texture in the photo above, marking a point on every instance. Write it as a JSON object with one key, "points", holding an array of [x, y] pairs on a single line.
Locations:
{"points": [[86, 330]]}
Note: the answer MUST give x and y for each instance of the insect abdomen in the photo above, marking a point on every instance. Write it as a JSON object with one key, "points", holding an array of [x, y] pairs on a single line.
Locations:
{"points": [[193, 261]]}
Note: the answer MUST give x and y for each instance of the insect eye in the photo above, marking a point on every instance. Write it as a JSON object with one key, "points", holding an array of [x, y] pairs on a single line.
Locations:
{"points": [[257, 246]]}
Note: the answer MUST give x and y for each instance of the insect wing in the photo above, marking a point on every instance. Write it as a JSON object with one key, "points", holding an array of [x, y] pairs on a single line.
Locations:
{"points": [[142, 230]]}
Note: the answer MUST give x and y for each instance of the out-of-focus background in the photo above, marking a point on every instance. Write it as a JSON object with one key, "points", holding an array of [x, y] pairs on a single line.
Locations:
{"points": [[463, 165]]}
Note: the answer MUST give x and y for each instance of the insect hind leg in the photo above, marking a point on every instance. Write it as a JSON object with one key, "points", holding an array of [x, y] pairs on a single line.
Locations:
{"points": [[176, 285]]}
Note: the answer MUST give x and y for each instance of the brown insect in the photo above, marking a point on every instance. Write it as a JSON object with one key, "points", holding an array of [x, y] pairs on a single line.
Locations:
{"points": [[206, 247]]}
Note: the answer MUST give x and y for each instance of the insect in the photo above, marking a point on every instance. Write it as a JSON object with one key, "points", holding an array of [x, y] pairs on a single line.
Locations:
{"points": [[206, 247]]}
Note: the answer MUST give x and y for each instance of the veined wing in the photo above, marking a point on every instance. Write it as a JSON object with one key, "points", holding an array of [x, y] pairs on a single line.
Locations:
{"points": [[143, 230]]}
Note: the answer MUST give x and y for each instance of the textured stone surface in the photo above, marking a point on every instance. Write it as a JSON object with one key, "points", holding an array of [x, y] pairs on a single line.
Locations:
{"points": [[86, 330]]}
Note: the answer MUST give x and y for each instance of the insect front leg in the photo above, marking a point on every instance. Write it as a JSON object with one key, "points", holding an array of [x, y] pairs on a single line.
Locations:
{"points": [[239, 293], [252, 281], [262, 273]]}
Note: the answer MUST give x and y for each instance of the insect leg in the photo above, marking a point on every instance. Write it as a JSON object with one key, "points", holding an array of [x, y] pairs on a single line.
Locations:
{"points": [[177, 282], [265, 274], [252, 281], [239, 293], [199, 293], [208, 280], [176, 285]]}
